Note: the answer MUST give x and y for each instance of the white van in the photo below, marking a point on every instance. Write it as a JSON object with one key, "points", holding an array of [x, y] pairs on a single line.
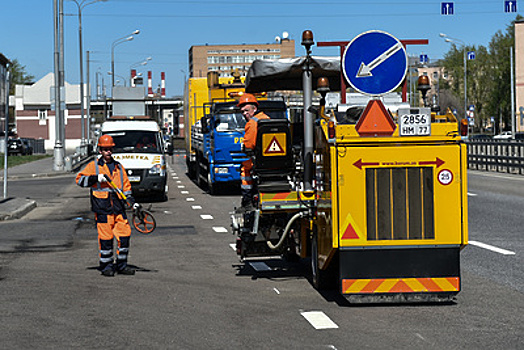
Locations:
{"points": [[139, 146]]}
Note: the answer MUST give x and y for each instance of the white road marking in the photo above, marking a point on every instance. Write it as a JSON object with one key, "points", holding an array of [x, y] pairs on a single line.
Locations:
{"points": [[492, 248], [219, 229], [189, 199], [179, 182], [181, 186], [233, 246], [175, 178], [276, 291], [167, 212], [499, 176], [184, 192], [196, 207], [206, 217], [472, 194], [319, 320]]}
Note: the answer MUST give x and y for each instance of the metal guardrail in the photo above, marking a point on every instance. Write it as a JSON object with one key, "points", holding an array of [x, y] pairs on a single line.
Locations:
{"points": [[496, 155]]}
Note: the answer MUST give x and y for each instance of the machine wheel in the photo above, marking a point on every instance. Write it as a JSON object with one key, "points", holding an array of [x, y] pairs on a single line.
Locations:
{"points": [[190, 168], [322, 279], [211, 187]]}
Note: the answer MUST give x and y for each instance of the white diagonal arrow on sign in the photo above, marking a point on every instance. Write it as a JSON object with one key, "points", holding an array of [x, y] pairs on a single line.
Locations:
{"points": [[365, 69]]}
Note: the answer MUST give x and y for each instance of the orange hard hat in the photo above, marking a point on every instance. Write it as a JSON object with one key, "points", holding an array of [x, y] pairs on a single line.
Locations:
{"points": [[106, 141], [247, 98]]}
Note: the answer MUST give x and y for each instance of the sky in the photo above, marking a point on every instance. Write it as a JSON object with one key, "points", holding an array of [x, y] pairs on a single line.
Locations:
{"points": [[168, 28]]}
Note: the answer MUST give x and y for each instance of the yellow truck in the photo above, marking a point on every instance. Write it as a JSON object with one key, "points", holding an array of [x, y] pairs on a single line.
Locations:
{"points": [[386, 217]]}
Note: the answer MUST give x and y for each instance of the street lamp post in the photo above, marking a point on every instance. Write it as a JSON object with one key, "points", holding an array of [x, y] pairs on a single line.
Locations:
{"points": [[113, 45], [136, 64], [81, 4], [449, 39]]}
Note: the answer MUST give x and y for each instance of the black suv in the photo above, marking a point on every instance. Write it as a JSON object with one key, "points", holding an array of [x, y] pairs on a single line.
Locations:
{"points": [[17, 146]]}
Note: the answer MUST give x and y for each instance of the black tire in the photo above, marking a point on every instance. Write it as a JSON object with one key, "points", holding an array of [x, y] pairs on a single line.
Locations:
{"points": [[322, 279], [212, 188]]}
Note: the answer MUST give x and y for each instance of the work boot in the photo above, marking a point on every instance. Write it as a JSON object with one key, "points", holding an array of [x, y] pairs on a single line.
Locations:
{"points": [[108, 272], [126, 271]]}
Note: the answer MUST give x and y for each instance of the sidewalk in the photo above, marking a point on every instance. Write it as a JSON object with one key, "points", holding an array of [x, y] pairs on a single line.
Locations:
{"points": [[15, 208]]}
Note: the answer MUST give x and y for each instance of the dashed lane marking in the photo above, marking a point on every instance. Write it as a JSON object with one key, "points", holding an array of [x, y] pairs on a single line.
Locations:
{"points": [[319, 320], [181, 186], [472, 194], [184, 192], [233, 246], [206, 217], [196, 207], [492, 248], [189, 199], [219, 229]]}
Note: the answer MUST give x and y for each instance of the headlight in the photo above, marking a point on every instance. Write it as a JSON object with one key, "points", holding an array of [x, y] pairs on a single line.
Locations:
{"points": [[220, 170], [157, 170]]}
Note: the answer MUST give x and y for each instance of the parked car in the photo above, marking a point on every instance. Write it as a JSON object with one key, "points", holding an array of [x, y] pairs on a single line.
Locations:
{"points": [[480, 137], [503, 136], [17, 146], [29, 146]]}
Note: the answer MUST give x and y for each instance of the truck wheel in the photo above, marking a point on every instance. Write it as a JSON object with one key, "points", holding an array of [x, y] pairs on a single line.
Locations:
{"points": [[190, 168], [211, 187], [322, 279]]}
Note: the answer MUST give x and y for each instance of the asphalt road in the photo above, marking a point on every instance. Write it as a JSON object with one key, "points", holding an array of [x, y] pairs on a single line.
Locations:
{"points": [[191, 292]]}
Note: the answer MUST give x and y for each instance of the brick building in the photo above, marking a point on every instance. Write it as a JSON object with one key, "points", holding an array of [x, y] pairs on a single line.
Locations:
{"points": [[227, 58]]}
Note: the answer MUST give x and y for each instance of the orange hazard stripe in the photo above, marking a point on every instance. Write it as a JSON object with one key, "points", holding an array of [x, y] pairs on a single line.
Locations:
{"points": [[400, 285], [278, 196]]}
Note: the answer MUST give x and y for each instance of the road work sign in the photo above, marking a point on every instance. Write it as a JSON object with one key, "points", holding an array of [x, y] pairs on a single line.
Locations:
{"points": [[375, 63], [274, 144]]}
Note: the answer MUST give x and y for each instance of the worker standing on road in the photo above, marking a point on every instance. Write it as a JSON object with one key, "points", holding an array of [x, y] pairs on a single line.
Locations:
{"points": [[110, 214], [249, 108]]}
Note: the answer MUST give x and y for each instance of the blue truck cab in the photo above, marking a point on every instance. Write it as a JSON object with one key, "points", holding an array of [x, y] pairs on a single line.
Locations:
{"points": [[217, 139]]}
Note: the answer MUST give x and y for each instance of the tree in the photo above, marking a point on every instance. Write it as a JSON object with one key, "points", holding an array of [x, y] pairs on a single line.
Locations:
{"points": [[19, 75], [488, 77]]}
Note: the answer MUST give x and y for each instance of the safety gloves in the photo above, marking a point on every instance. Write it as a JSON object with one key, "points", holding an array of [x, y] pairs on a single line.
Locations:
{"points": [[102, 178]]}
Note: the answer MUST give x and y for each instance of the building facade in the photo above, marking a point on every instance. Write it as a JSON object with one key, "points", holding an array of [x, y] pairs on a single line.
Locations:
{"points": [[35, 119], [225, 59], [519, 74]]}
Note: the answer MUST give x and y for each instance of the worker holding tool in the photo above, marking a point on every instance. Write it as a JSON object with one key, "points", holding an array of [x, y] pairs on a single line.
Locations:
{"points": [[249, 108], [109, 208]]}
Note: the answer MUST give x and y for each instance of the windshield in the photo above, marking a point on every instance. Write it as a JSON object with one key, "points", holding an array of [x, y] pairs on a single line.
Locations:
{"points": [[136, 141], [230, 122]]}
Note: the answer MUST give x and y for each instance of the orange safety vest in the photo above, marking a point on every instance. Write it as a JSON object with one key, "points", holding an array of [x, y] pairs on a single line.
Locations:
{"points": [[104, 199], [250, 140]]}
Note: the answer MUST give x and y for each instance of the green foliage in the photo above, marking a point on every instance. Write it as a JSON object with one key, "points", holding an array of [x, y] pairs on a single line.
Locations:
{"points": [[488, 76], [17, 160], [19, 75]]}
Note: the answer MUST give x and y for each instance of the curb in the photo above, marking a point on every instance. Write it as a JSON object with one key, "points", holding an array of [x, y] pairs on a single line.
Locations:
{"points": [[22, 207]]}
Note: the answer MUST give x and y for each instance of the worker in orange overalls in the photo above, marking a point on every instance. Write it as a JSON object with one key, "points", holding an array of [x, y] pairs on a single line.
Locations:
{"points": [[249, 108], [109, 209]]}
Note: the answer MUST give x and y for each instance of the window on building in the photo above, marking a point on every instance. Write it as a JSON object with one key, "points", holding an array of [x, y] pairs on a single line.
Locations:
{"points": [[42, 114]]}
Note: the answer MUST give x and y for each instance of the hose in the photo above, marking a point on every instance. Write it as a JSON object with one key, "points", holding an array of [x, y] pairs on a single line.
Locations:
{"points": [[286, 231]]}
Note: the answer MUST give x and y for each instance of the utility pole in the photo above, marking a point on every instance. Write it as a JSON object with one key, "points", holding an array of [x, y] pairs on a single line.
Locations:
{"points": [[58, 164], [513, 121]]}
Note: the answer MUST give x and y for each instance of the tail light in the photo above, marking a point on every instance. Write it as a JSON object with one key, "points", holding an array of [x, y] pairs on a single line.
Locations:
{"points": [[464, 127], [331, 130]]}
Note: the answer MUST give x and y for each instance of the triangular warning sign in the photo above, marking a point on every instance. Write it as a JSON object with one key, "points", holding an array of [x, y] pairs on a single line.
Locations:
{"points": [[351, 229], [350, 233], [274, 147], [375, 120]]}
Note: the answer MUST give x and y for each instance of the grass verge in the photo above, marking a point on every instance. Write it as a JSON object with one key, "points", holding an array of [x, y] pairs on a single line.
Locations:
{"points": [[17, 160]]}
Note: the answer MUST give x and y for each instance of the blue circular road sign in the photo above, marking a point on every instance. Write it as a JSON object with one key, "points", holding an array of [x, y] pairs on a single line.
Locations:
{"points": [[375, 63]]}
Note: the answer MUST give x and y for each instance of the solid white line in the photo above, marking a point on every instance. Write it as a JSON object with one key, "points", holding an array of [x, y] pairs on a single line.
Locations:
{"points": [[219, 229], [492, 248], [206, 217], [196, 207], [489, 174], [319, 320]]}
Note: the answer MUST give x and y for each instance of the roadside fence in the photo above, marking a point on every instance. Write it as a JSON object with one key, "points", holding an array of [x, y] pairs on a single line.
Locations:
{"points": [[505, 156]]}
